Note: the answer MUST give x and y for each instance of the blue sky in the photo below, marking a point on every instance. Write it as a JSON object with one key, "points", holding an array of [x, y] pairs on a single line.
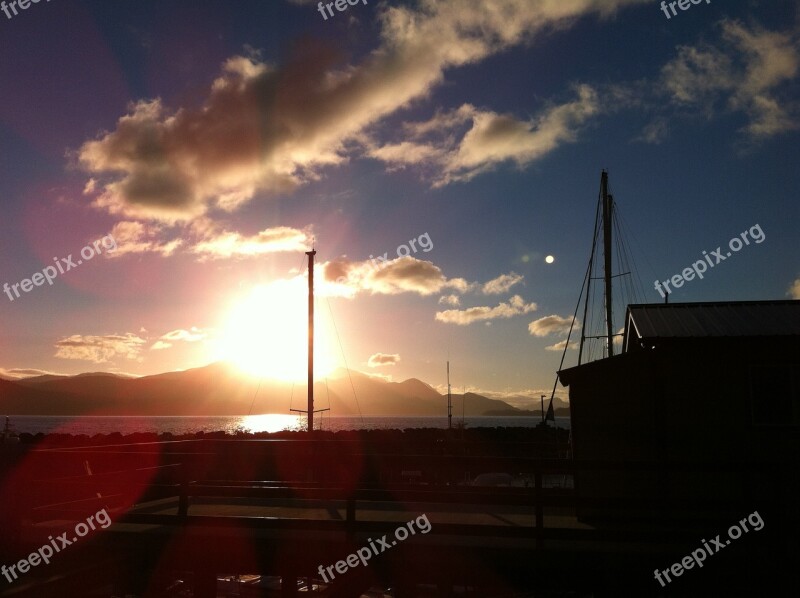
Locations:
{"points": [[213, 143]]}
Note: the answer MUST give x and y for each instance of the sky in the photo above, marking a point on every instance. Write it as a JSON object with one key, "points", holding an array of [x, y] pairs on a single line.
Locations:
{"points": [[164, 167]]}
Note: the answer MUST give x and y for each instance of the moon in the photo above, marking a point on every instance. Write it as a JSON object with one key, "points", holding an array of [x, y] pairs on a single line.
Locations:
{"points": [[549, 259]]}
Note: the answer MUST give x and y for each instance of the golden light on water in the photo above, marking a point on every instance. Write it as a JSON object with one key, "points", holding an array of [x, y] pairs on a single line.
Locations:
{"points": [[272, 422]]}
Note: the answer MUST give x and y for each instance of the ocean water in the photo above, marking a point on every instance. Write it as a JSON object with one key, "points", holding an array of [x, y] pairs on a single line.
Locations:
{"points": [[270, 422]]}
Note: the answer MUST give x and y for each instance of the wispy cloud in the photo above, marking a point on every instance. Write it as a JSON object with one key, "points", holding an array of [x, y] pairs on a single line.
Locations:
{"points": [[502, 284], [192, 335], [265, 129], [229, 244], [22, 373], [100, 349], [205, 240], [452, 300], [490, 139], [514, 307], [746, 71], [138, 237], [559, 346]]}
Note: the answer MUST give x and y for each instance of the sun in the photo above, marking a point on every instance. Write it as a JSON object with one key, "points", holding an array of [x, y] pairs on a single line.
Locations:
{"points": [[266, 333]]}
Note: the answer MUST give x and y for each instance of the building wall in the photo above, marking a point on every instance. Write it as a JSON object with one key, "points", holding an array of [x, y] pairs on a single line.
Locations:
{"points": [[689, 401]]}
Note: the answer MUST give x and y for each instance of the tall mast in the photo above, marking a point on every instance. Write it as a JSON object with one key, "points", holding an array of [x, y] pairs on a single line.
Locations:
{"points": [[449, 401], [608, 206], [311, 255]]}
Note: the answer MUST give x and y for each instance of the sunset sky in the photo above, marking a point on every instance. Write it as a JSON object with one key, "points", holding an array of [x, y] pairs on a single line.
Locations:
{"points": [[213, 141]]}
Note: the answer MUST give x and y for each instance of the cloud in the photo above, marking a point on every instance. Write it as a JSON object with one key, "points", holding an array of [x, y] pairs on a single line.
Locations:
{"points": [[502, 283], [794, 290], [559, 346], [99, 349], [548, 325], [180, 335], [137, 237], [206, 240], [747, 71], [380, 359], [654, 132], [267, 129], [453, 300], [402, 275], [515, 306], [229, 244], [22, 373], [491, 139]]}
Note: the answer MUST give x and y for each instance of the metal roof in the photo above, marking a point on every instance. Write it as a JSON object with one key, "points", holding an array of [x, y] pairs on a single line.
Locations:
{"points": [[724, 319]]}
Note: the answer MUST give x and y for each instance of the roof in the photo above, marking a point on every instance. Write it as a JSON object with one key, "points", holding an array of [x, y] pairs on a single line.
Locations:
{"points": [[704, 320]]}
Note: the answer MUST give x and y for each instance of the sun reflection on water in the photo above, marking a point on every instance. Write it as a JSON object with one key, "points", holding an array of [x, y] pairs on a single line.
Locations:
{"points": [[271, 422]]}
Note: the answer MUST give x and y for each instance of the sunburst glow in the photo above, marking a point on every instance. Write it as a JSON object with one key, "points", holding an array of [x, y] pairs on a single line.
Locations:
{"points": [[266, 333]]}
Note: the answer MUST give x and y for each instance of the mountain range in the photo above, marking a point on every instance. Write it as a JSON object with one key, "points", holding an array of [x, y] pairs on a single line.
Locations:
{"points": [[219, 389]]}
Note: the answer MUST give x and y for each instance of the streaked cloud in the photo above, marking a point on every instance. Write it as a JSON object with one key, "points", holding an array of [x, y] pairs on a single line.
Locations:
{"points": [[502, 284], [229, 244], [490, 139], [22, 373], [192, 335], [514, 307], [559, 346], [746, 71], [266, 129], [206, 240], [138, 237], [100, 349]]}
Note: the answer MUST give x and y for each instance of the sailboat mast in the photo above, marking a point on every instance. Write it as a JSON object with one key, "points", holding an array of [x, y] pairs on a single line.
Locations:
{"points": [[608, 206], [311, 255], [449, 401]]}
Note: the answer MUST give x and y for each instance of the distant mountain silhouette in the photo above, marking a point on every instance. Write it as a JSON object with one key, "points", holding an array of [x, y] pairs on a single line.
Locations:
{"points": [[219, 389]]}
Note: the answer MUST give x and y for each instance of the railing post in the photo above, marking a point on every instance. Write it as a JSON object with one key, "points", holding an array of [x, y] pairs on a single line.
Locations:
{"points": [[183, 496], [351, 517]]}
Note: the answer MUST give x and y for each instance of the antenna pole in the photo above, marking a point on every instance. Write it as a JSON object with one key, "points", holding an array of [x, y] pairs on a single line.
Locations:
{"points": [[311, 255], [608, 206]]}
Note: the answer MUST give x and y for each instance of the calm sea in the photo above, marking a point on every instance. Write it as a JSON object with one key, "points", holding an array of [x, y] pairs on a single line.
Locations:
{"points": [[273, 422]]}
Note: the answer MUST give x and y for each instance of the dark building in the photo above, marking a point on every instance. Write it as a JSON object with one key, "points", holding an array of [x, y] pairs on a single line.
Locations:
{"points": [[712, 383]]}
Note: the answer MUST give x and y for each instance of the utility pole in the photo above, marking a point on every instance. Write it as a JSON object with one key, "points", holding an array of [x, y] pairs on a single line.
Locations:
{"points": [[310, 411], [311, 255]]}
